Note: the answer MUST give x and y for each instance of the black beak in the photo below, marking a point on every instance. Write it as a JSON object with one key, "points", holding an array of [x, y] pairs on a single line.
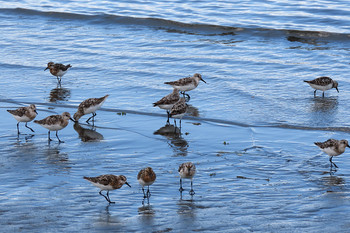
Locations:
{"points": [[203, 80], [348, 145], [36, 112], [72, 119], [46, 68], [127, 184], [337, 89]]}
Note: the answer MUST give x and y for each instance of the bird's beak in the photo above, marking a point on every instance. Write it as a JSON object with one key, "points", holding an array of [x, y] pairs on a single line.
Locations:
{"points": [[46, 68], [72, 119], [337, 89], [348, 145], [36, 112], [203, 80], [127, 184]]}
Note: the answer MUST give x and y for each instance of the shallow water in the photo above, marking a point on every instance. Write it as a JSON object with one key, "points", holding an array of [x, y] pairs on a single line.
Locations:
{"points": [[250, 129]]}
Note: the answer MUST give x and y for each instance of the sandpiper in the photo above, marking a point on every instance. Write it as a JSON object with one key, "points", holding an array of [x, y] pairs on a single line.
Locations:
{"points": [[187, 171], [55, 123], [24, 114], [186, 84], [323, 84], [89, 106], [108, 182], [333, 147], [57, 69], [146, 177], [168, 101], [178, 110]]}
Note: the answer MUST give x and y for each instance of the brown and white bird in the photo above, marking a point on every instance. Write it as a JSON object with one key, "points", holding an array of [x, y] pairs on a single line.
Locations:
{"points": [[24, 114], [333, 147], [146, 177], [55, 123], [89, 106], [323, 84], [178, 110], [168, 101], [187, 171], [57, 69], [186, 84], [108, 182]]}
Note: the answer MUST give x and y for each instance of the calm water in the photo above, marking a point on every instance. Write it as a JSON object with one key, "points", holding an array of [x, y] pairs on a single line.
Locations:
{"points": [[250, 129]]}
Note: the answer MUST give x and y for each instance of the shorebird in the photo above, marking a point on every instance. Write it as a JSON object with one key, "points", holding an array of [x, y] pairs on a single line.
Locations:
{"points": [[333, 147], [187, 171], [24, 114], [178, 110], [168, 101], [146, 177], [323, 84], [186, 84], [89, 106], [57, 69], [108, 182], [55, 123]]}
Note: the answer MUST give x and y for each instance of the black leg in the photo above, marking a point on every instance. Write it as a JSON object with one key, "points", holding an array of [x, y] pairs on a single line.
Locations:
{"points": [[29, 127], [168, 122], [332, 163], [188, 97], [92, 117], [148, 193], [323, 94], [315, 93], [109, 200], [49, 139], [192, 191], [58, 138], [144, 195], [181, 189], [18, 128]]}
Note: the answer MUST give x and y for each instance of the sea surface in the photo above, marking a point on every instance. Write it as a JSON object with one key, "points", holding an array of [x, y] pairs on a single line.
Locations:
{"points": [[250, 129]]}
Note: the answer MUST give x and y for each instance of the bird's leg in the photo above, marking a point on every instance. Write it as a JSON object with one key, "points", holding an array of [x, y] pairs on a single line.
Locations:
{"points": [[49, 137], [18, 128], [92, 117], [144, 195], [148, 193], [58, 138], [332, 163], [315, 93], [192, 191], [188, 97], [181, 189], [109, 200], [29, 127], [104, 196], [168, 121], [322, 94]]}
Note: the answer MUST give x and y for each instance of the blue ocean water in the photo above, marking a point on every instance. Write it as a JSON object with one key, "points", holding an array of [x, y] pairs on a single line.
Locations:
{"points": [[250, 129]]}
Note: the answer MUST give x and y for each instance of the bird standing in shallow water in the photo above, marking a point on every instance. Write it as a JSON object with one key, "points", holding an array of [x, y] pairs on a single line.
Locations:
{"points": [[58, 70], [24, 114], [186, 84], [55, 123], [168, 101], [187, 171], [323, 84], [108, 182], [178, 110], [146, 177], [333, 147], [89, 106]]}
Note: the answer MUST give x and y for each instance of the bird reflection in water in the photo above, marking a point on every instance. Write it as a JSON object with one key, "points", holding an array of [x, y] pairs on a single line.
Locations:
{"points": [[59, 94], [87, 134], [146, 213], [323, 110], [175, 140]]}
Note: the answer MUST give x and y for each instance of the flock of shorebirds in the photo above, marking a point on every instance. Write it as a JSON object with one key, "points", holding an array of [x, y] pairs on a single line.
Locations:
{"points": [[175, 106]]}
